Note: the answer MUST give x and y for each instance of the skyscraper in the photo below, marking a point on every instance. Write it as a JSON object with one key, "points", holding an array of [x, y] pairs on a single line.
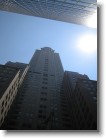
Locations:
{"points": [[72, 11], [49, 98], [37, 105]]}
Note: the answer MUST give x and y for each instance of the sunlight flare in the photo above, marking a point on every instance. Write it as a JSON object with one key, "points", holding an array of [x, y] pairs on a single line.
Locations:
{"points": [[87, 43], [92, 20]]}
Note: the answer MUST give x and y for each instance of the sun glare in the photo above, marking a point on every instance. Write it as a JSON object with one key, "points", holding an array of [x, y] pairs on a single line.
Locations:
{"points": [[92, 20], [88, 43]]}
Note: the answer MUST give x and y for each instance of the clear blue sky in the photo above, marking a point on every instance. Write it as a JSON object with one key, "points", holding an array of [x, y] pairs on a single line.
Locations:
{"points": [[21, 35]]}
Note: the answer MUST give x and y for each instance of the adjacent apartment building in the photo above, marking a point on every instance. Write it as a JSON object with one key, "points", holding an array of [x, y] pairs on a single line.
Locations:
{"points": [[10, 79]]}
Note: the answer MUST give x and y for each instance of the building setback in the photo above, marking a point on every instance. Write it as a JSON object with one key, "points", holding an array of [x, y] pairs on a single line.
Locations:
{"points": [[49, 98]]}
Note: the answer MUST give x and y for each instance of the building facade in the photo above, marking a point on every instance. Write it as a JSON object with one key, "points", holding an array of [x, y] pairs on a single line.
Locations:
{"points": [[78, 102], [85, 105], [72, 11]]}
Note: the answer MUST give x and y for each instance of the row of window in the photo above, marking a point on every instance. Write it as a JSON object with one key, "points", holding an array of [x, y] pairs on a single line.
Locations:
{"points": [[6, 103], [13, 88]]}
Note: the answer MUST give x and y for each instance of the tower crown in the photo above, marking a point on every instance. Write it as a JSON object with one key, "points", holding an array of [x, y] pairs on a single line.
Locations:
{"points": [[47, 48]]}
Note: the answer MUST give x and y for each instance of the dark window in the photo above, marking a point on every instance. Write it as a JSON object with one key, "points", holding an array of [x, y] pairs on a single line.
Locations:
{"points": [[45, 79], [2, 103], [44, 82], [2, 110], [26, 125], [41, 98], [45, 93], [9, 91], [6, 103], [40, 116], [44, 99], [6, 96], [43, 106], [45, 75], [44, 87], [52, 75], [44, 116], [40, 111]]}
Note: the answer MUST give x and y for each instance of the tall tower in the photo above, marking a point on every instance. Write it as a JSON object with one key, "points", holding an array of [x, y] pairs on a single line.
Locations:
{"points": [[37, 104]]}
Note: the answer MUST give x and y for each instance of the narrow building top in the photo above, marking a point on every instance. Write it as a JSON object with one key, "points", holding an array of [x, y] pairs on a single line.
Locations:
{"points": [[47, 48]]}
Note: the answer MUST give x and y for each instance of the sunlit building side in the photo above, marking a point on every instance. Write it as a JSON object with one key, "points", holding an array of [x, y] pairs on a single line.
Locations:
{"points": [[9, 81]]}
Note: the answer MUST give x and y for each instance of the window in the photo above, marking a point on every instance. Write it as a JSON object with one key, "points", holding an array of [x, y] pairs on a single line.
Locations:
{"points": [[6, 96], [6, 103], [43, 106], [44, 82], [43, 99], [2, 110], [44, 87], [45, 79], [45, 93], [44, 116], [40, 116], [26, 125], [52, 75], [45, 75], [2, 103], [40, 111], [9, 98], [9, 91]]}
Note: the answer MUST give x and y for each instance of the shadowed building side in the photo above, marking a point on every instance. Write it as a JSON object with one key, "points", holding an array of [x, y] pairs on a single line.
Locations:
{"points": [[78, 102], [84, 104]]}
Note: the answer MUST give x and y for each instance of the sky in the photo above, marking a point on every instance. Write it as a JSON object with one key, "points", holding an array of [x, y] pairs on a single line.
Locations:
{"points": [[21, 35]]}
